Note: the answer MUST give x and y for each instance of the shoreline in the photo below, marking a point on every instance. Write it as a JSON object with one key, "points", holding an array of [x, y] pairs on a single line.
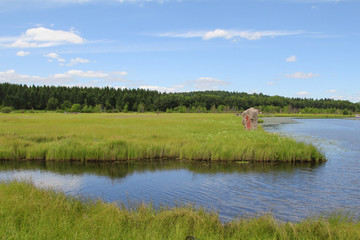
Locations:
{"points": [[24, 215]]}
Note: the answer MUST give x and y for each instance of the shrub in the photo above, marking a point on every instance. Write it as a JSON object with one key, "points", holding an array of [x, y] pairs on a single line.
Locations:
{"points": [[66, 105], [6, 110], [125, 110], [346, 112], [141, 108], [87, 109], [75, 108], [52, 103]]}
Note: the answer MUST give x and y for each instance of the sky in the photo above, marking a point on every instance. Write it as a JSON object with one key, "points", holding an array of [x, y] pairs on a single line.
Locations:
{"points": [[291, 48]]}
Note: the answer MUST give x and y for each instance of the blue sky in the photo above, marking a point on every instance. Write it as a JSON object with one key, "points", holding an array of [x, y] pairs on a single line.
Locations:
{"points": [[292, 48]]}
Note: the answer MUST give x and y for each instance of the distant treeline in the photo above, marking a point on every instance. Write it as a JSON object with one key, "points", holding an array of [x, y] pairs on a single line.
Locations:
{"points": [[84, 99]]}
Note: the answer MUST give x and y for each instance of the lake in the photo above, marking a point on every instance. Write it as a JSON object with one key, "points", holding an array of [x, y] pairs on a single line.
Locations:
{"points": [[290, 192]]}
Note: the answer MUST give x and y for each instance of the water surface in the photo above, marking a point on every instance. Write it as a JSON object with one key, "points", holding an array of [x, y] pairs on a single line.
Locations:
{"points": [[290, 191]]}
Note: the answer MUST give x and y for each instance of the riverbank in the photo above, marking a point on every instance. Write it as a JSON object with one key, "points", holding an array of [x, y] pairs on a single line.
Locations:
{"points": [[30, 213], [132, 136]]}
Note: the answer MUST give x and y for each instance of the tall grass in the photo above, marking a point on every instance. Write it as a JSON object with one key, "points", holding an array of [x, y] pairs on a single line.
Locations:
{"points": [[96, 137], [30, 213]]}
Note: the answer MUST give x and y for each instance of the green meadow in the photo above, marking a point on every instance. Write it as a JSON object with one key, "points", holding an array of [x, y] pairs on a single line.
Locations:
{"points": [[134, 136], [30, 213]]}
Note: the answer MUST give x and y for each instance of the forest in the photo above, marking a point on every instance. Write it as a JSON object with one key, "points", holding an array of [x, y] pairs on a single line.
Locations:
{"points": [[94, 99]]}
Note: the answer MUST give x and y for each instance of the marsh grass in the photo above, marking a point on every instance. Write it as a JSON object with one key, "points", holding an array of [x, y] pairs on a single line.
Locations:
{"points": [[30, 213], [98, 137]]}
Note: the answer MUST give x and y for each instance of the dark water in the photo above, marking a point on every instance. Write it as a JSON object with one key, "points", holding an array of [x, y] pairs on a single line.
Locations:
{"points": [[290, 191]]}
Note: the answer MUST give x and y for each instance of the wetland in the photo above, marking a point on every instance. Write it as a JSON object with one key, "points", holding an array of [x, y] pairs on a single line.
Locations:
{"points": [[289, 191]]}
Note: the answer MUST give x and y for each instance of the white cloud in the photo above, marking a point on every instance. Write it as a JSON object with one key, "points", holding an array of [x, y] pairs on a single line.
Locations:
{"points": [[73, 62], [55, 56], [160, 89], [205, 83], [303, 93], [302, 75], [230, 34], [291, 59], [22, 53], [331, 91], [217, 33], [61, 75], [42, 37], [337, 97], [121, 73], [271, 83], [87, 74], [78, 60], [69, 78], [52, 55], [11, 76], [182, 35]]}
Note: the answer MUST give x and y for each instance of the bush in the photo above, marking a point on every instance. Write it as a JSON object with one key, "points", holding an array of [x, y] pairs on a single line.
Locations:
{"points": [[87, 109], [75, 108], [98, 108], [346, 112], [52, 104], [6, 110], [66, 105], [125, 110]]}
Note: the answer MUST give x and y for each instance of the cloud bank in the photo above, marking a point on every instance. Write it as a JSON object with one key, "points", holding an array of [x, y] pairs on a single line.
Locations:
{"points": [[69, 78], [42, 37], [230, 34], [302, 75]]}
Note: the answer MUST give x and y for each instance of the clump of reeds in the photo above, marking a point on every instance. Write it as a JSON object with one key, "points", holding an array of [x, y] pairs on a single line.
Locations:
{"points": [[30, 213]]}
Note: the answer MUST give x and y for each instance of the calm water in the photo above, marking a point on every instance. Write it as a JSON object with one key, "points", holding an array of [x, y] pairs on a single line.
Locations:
{"points": [[290, 191]]}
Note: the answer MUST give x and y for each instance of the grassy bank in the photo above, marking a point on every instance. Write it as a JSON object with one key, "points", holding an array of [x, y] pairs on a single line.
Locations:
{"points": [[30, 213], [85, 137]]}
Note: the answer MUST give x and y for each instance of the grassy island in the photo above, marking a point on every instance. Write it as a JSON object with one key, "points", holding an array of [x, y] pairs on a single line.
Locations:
{"points": [[133, 136], [30, 213]]}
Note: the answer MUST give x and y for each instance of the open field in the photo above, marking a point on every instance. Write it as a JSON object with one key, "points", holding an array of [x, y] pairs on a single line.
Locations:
{"points": [[30, 213], [132, 136]]}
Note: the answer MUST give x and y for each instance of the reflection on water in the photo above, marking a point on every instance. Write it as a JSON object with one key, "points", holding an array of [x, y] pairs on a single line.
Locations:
{"points": [[289, 191]]}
